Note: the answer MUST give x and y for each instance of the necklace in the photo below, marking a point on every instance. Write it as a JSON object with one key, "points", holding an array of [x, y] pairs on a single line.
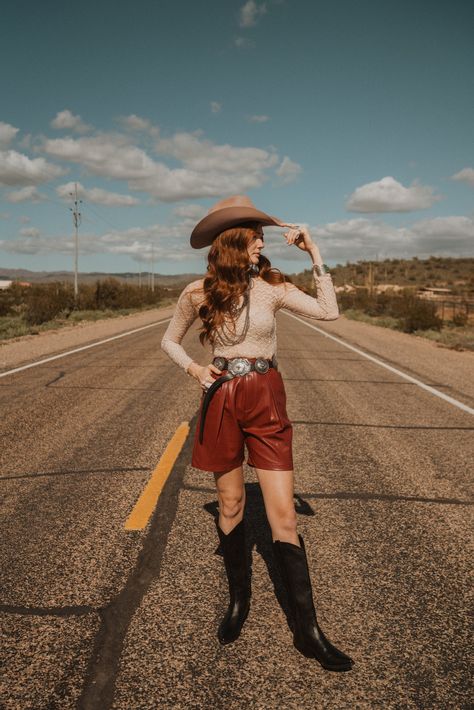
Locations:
{"points": [[235, 313]]}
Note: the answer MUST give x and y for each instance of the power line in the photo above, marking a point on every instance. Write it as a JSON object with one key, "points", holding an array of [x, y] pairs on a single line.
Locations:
{"points": [[97, 214]]}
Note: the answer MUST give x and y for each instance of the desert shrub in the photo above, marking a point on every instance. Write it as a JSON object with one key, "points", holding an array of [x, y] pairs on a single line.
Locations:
{"points": [[411, 312], [6, 302], [86, 297], [460, 318], [45, 301], [416, 314], [112, 293], [108, 294], [378, 304], [42, 302], [12, 299]]}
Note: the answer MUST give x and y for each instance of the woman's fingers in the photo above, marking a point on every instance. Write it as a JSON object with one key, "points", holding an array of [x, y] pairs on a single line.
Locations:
{"points": [[292, 235], [284, 224]]}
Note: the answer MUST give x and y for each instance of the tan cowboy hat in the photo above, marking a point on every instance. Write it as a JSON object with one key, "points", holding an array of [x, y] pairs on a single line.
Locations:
{"points": [[227, 213]]}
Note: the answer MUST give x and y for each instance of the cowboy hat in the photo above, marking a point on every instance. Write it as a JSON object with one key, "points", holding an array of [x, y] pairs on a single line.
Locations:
{"points": [[228, 213]]}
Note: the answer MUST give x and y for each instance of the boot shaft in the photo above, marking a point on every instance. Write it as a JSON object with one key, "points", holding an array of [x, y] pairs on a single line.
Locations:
{"points": [[234, 551], [293, 567]]}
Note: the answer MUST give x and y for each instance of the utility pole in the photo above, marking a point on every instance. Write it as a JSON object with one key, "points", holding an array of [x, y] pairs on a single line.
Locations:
{"points": [[370, 279], [152, 268], [76, 220]]}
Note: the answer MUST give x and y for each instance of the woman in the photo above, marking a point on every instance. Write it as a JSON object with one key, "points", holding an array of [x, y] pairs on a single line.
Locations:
{"points": [[244, 401]]}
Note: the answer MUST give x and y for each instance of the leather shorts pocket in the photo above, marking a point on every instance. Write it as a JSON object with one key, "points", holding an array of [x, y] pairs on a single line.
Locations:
{"points": [[278, 394]]}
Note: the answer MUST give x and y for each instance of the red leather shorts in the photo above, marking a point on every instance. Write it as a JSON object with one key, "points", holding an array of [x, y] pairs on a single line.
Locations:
{"points": [[249, 409]]}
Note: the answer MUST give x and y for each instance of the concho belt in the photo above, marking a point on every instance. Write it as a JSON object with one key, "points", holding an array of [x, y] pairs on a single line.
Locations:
{"points": [[236, 367]]}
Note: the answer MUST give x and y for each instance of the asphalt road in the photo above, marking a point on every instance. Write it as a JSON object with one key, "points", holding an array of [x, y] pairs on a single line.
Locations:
{"points": [[95, 616]]}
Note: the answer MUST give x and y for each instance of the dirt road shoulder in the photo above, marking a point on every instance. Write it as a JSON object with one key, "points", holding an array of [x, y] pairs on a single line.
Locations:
{"points": [[27, 348]]}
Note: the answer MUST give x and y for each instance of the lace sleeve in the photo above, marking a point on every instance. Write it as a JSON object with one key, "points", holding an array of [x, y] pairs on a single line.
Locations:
{"points": [[323, 307], [184, 316]]}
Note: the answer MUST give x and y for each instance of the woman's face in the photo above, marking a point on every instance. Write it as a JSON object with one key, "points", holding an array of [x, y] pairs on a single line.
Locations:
{"points": [[256, 244]]}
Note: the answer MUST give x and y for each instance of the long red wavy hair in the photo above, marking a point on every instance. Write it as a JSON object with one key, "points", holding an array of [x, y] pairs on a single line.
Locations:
{"points": [[228, 277]]}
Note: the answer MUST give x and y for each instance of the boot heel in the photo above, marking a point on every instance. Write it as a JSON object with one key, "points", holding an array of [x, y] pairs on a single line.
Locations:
{"points": [[223, 640], [307, 653]]}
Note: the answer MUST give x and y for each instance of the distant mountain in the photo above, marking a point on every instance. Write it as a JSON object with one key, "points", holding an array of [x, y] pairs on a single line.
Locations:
{"points": [[49, 276]]}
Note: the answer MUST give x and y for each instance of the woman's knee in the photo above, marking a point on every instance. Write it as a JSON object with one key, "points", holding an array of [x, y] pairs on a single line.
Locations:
{"points": [[231, 504], [284, 519]]}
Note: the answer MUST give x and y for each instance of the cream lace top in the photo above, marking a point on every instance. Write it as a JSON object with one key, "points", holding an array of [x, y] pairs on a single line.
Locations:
{"points": [[265, 301]]}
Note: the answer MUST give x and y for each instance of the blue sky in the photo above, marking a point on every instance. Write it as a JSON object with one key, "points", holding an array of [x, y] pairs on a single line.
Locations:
{"points": [[354, 118]]}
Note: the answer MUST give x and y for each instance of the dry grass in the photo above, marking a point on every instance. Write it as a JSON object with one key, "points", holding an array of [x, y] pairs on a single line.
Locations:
{"points": [[16, 326], [452, 337]]}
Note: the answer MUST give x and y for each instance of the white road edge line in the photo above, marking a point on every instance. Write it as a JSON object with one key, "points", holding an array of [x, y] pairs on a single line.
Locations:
{"points": [[84, 347], [437, 393]]}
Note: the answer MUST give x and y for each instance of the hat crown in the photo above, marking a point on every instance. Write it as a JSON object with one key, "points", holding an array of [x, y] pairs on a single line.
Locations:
{"points": [[227, 213], [232, 201]]}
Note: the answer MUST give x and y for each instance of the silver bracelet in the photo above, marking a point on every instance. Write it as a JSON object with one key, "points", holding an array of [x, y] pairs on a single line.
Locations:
{"points": [[321, 269]]}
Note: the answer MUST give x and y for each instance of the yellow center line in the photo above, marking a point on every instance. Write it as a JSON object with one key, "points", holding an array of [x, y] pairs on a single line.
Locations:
{"points": [[145, 505]]}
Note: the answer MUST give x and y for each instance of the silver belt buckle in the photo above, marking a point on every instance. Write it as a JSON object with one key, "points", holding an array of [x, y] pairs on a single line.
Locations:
{"points": [[219, 362], [239, 366], [261, 365]]}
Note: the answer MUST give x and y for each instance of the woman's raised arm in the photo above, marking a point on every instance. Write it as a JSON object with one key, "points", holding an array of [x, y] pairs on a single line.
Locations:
{"points": [[323, 307]]}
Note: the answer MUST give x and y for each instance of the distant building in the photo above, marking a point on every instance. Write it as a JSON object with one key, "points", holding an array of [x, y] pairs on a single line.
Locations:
{"points": [[6, 284], [433, 292], [347, 288], [381, 288]]}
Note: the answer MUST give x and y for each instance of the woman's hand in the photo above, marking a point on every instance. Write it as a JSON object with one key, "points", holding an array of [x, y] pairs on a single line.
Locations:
{"points": [[203, 374], [301, 237]]}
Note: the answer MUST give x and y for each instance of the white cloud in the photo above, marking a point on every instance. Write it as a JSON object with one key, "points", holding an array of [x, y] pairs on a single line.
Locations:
{"points": [[17, 169], [203, 155], [465, 175], [170, 243], [66, 120], [30, 232], [347, 240], [258, 118], [97, 195], [23, 219], [388, 195], [190, 211], [445, 234], [25, 194], [208, 169], [362, 238], [110, 155], [288, 170], [250, 13], [138, 124], [7, 133], [216, 107]]}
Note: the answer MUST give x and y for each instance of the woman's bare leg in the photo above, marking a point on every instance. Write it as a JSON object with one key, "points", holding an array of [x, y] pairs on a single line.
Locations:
{"points": [[277, 490], [231, 496]]}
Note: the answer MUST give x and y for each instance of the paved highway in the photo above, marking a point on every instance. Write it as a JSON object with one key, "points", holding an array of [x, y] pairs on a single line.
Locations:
{"points": [[97, 615]]}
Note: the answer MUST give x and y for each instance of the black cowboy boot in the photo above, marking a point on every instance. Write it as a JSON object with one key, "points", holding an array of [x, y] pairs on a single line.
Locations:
{"points": [[307, 636], [238, 576]]}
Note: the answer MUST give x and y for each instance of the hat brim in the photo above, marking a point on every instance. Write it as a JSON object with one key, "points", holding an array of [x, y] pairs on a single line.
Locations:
{"points": [[213, 224]]}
